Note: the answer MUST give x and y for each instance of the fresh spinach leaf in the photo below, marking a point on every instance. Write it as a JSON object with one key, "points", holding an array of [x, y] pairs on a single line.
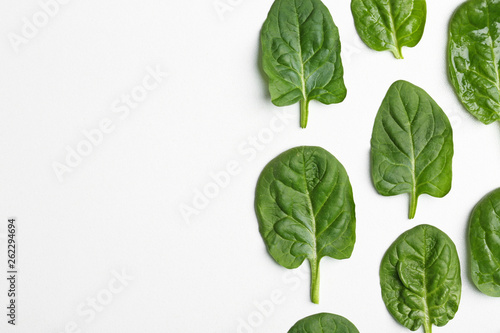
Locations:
{"points": [[484, 244], [301, 55], [389, 24], [474, 56], [324, 323], [411, 146], [420, 278], [305, 209]]}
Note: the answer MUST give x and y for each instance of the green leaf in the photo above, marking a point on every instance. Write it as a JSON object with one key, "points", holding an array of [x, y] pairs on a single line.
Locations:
{"points": [[473, 57], [301, 55], [411, 146], [389, 24], [305, 209], [420, 278], [324, 323], [484, 240]]}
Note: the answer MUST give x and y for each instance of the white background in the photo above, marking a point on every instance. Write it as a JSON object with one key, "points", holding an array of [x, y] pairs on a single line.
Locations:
{"points": [[120, 208]]}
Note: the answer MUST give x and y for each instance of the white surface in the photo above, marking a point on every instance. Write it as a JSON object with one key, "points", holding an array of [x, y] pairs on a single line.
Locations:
{"points": [[119, 209]]}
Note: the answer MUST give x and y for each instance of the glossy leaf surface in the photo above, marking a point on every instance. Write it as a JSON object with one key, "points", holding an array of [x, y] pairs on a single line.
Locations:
{"points": [[301, 55], [420, 278], [411, 146], [484, 240], [324, 323], [473, 57], [389, 24], [305, 209]]}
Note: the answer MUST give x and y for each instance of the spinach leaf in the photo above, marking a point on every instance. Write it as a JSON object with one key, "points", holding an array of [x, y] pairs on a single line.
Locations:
{"points": [[420, 278], [473, 57], [389, 24], [301, 55], [484, 244], [305, 209], [411, 146], [324, 323]]}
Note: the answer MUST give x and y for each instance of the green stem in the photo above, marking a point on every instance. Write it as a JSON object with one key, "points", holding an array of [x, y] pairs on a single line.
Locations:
{"points": [[314, 281], [397, 53], [427, 327], [304, 112], [413, 205]]}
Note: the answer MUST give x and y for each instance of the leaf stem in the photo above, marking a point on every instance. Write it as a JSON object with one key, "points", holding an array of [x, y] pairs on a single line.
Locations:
{"points": [[413, 205], [427, 326], [397, 53], [304, 112], [314, 281]]}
